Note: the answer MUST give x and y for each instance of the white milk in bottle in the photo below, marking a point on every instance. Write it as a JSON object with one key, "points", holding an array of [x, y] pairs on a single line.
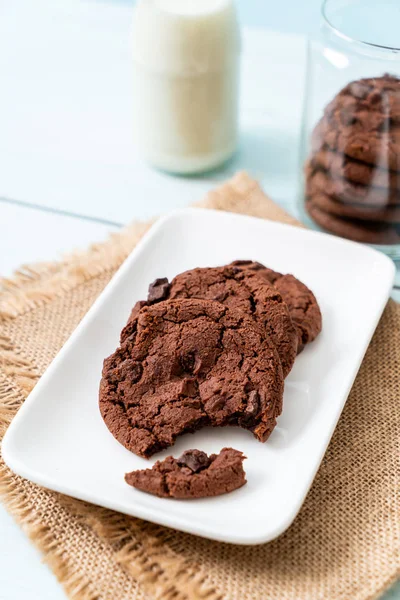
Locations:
{"points": [[186, 75]]}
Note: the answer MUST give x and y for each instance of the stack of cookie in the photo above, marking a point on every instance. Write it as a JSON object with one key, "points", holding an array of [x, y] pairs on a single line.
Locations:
{"points": [[211, 347], [353, 173]]}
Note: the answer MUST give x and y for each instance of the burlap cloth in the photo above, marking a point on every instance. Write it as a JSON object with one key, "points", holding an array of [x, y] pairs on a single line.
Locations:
{"points": [[343, 545]]}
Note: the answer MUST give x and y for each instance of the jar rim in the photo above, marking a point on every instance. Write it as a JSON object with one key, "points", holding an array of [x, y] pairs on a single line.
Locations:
{"points": [[349, 38]]}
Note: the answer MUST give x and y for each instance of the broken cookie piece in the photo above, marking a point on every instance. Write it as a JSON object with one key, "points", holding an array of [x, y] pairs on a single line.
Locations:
{"points": [[193, 475]]}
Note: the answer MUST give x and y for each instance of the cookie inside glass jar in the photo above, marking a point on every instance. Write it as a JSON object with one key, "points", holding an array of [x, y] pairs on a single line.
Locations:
{"points": [[352, 175]]}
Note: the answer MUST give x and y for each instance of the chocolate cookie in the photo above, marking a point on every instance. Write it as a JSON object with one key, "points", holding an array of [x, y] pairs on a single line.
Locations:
{"points": [[341, 166], [362, 122], [187, 364], [347, 111], [359, 231], [374, 94], [193, 475], [301, 302], [353, 211], [236, 289], [370, 148], [318, 180], [379, 149], [249, 293]]}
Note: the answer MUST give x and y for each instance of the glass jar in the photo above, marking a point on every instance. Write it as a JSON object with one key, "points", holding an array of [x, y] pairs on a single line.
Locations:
{"points": [[351, 127]]}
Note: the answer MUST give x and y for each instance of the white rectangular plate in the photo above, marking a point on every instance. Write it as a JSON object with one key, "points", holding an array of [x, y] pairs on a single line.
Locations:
{"points": [[58, 439]]}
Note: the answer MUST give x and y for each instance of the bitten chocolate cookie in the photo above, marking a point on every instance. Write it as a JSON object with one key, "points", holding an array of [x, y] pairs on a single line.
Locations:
{"points": [[193, 475], [340, 166], [359, 231], [187, 364], [301, 302], [319, 180]]}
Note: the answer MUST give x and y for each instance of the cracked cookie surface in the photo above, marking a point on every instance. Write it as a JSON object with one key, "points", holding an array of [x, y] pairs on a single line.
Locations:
{"points": [[186, 364], [193, 475], [301, 302], [240, 290]]}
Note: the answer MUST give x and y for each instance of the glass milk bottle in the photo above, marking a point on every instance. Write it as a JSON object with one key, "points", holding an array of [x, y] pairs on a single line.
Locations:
{"points": [[186, 75]]}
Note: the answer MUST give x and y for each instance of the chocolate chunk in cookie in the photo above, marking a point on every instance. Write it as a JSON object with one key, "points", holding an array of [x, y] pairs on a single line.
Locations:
{"points": [[301, 302], [249, 293], [195, 460], [368, 232], [201, 363], [193, 475], [158, 290]]}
